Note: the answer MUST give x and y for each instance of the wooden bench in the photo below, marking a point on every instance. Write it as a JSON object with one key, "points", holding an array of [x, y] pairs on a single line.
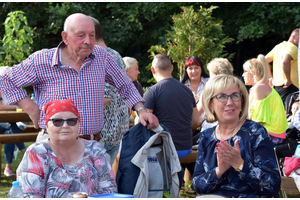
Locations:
{"points": [[189, 158], [17, 137], [27, 135], [30, 129]]}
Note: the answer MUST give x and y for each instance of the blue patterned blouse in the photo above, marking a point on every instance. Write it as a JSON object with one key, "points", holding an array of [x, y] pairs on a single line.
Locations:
{"points": [[260, 175]]}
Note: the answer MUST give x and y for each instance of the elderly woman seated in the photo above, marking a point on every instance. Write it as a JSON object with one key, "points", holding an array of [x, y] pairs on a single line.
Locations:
{"points": [[235, 158], [64, 163]]}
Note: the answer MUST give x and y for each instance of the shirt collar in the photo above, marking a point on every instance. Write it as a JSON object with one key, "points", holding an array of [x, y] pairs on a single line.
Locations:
{"points": [[55, 58]]}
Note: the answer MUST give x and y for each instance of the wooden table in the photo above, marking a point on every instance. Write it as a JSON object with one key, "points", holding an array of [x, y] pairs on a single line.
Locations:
{"points": [[14, 116]]}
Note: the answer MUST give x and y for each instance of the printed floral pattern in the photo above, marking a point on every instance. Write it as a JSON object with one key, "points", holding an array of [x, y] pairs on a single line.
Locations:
{"points": [[42, 175]]}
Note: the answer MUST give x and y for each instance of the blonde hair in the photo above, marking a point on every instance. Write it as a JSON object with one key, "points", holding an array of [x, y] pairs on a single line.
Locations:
{"points": [[216, 85], [258, 67], [129, 62], [220, 66]]}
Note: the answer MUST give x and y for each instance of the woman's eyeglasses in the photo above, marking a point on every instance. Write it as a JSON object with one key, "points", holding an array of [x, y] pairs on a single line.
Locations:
{"points": [[223, 98], [58, 122]]}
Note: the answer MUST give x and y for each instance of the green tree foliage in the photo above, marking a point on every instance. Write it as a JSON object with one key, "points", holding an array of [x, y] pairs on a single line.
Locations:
{"points": [[264, 18], [17, 40], [136, 26], [133, 27], [194, 33], [253, 20], [256, 26]]}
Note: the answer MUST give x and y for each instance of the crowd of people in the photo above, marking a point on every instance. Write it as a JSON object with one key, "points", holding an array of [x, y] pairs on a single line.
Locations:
{"points": [[86, 93], [77, 70]]}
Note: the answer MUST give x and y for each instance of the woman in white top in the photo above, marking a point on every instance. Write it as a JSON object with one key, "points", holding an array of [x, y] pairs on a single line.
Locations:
{"points": [[195, 78]]}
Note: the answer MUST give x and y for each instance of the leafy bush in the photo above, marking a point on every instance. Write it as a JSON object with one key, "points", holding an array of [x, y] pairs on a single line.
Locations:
{"points": [[17, 39], [194, 33]]}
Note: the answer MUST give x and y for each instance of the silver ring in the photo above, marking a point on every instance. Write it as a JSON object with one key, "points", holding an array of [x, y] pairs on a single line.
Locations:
{"points": [[228, 151]]}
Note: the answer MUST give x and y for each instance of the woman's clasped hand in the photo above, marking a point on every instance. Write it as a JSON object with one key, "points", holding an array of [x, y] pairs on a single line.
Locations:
{"points": [[228, 156]]}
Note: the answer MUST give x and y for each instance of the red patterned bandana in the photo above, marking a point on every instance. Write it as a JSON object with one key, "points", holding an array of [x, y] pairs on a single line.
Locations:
{"points": [[56, 106]]}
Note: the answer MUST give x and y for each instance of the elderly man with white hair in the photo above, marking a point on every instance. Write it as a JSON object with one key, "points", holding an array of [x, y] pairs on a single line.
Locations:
{"points": [[77, 69]]}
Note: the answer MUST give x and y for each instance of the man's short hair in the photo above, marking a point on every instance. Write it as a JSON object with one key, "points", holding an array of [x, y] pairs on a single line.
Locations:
{"points": [[161, 62], [70, 21], [98, 29]]}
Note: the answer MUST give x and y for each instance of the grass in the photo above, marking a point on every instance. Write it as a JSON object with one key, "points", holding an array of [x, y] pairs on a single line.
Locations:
{"points": [[187, 192], [6, 182]]}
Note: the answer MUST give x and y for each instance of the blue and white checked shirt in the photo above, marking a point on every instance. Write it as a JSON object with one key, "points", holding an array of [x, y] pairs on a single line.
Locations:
{"points": [[53, 81]]}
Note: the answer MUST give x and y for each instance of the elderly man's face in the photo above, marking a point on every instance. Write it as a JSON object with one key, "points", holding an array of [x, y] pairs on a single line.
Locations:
{"points": [[81, 38], [133, 72]]}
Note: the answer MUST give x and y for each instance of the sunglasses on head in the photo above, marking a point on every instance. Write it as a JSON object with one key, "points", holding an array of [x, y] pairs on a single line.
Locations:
{"points": [[58, 122]]}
